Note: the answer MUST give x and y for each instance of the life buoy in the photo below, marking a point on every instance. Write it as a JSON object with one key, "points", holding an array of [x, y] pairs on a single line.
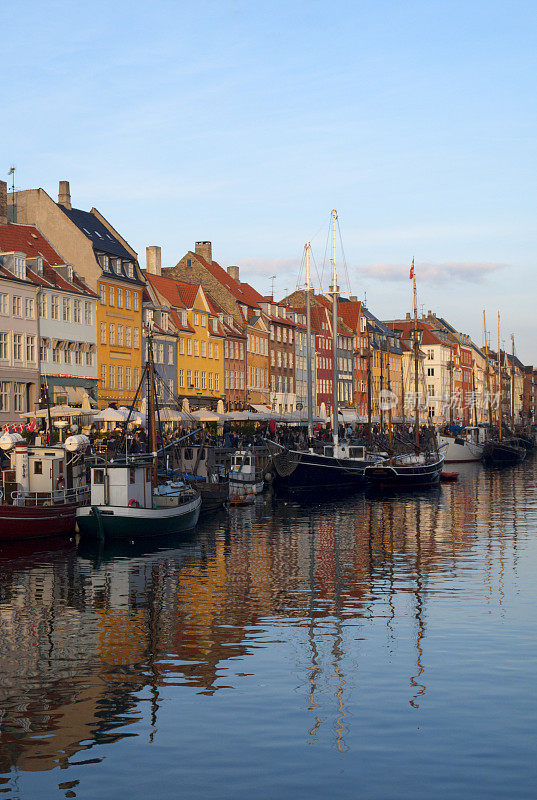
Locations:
{"points": [[60, 483], [134, 503]]}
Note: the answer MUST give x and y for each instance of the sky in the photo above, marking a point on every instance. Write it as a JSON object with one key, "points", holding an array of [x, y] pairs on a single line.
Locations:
{"points": [[245, 123]]}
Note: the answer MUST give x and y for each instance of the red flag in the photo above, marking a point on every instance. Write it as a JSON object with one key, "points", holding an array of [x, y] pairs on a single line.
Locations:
{"points": [[411, 270]]}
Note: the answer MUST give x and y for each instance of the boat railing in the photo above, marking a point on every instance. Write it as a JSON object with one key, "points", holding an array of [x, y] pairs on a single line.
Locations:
{"points": [[77, 494]]}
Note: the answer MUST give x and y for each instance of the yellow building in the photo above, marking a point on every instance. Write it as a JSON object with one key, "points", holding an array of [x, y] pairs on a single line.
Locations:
{"points": [[109, 266], [200, 341]]}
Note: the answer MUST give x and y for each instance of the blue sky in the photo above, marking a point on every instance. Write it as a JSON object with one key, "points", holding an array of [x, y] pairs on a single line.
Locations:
{"points": [[246, 122]]}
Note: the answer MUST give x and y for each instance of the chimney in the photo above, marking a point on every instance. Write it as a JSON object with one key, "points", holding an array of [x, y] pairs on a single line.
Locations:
{"points": [[408, 314], [153, 255], [64, 194], [3, 203], [353, 298], [233, 272], [205, 250]]}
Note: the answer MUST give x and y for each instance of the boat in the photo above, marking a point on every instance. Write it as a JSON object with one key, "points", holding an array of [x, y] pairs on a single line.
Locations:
{"points": [[465, 445], [245, 479], [424, 466], [197, 465], [449, 477], [127, 499], [42, 487], [339, 465]]}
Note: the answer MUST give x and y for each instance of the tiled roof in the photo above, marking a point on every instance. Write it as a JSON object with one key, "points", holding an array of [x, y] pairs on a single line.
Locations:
{"points": [[167, 287], [99, 235], [350, 313], [242, 292], [29, 240], [407, 327]]}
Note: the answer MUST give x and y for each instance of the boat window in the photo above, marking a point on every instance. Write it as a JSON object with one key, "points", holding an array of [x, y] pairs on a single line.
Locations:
{"points": [[246, 462], [356, 452], [202, 454], [148, 474], [189, 454], [60, 466], [98, 476], [329, 451], [132, 475], [38, 467]]}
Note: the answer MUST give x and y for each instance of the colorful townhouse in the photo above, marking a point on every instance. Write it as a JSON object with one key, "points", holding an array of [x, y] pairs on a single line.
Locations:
{"points": [[159, 325], [282, 357], [108, 266], [241, 302], [63, 312], [200, 341]]}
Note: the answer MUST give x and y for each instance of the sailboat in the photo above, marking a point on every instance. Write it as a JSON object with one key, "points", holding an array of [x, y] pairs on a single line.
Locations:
{"points": [[410, 470], [340, 465], [126, 498], [500, 451]]}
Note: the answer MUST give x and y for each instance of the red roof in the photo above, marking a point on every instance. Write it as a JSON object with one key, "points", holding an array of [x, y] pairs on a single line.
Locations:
{"points": [[167, 287], [242, 292], [350, 313], [407, 326]]}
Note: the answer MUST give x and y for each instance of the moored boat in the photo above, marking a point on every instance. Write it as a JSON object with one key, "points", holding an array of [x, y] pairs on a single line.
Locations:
{"points": [[245, 479], [42, 487], [499, 453], [466, 445], [407, 471]]}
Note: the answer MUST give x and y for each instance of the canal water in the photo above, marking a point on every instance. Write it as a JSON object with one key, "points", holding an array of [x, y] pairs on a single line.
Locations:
{"points": [[375, 647]]}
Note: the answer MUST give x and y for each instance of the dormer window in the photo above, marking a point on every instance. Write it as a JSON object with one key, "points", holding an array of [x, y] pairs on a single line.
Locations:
{"points": [[164, 320], [105, 261], [130, 270]]}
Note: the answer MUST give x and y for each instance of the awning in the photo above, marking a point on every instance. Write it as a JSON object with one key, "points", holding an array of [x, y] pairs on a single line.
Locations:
{"points": [[348, 415], [261, 409]]}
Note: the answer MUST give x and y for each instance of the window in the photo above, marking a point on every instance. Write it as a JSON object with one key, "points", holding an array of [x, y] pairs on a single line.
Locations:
{"points": [[120, 298], [203, 381], [56, 352], [216, 351], [130, 270], [189, 347], [189, 379], [78, 357], [29, 308], [127, 298], [181, 378], [67, 355], [110, 295], [210, 380], [170, 354], [189, 262], [55, 306], [196, 348], [103, 332], [203, 320], [120, 335], [128, 378], [135, 297], [66, 306], [181, 347], [102, 292], [216, 381], [203, 350], [430, 372], [111, 377], [111, 334], [19, 396], [136, 338], [88, 313], [17, 346], [98, 476], [17, 306], [128, 336], [103, 376], [4, 345], [196, 379], [226, 350], [30, 348], [136, 376], [4, 300], [196, 318], [160, 354], [77, 311], [38, 467], [5, 388], [120, 377], [43, 351]]}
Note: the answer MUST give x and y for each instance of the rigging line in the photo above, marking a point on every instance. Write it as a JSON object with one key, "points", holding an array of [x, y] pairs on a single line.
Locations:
{"points": [[316, 267], [325, 251], [301, 267], [344, 257]]}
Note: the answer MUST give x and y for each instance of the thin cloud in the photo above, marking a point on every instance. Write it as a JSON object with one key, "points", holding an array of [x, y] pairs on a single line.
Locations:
{"points": [[465, 271], [281, 267]]}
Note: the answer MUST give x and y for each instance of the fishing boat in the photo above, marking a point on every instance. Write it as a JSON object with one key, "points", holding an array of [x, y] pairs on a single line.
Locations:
{"points": [[127, 499], [423, 467], [42, 487], [339, 465], [197, 464]]}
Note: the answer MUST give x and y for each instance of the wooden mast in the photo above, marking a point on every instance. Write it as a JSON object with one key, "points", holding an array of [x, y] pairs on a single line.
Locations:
{"points": [[499, 382], [513, 383], [487, 371], [151, 407], [416, 359], [335, 423], [308, 343], [474, 392]]}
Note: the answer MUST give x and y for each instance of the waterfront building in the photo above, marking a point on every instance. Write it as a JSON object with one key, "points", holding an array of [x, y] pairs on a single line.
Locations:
{"points": [[158, 322], [200, 341], [234, 359], [109, 266], [63, 313], [301, 364], [282, 357], [351, 311], [238, 300]]}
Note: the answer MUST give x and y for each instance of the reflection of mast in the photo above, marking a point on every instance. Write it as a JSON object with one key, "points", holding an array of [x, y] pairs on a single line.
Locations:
{"points": [[314, 669], [337, 650], [419, 619]]}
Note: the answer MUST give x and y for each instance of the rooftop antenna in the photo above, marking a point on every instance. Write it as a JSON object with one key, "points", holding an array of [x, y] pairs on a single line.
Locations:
{"points": [[12, 173], [272, 279], [365, 298]]}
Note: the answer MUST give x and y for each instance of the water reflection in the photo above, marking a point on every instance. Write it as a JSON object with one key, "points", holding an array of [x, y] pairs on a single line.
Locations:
{"points": [[95, 638]]}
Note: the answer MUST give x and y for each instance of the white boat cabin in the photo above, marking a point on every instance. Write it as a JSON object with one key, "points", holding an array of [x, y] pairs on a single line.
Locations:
{"points": [[122, 484], [355, 452], [44, 474]]}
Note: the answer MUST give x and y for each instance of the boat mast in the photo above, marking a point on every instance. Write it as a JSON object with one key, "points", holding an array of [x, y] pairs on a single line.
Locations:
{"points": [[151, 404], [335, 426], [416, 358], [499, 381], [474, 392], [308, 343], [513, 382], [487, 371]]}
